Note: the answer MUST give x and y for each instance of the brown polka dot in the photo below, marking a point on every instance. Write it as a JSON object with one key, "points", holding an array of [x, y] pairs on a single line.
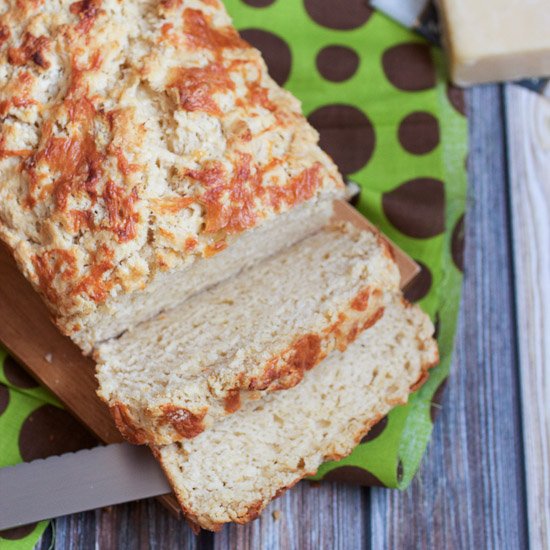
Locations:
{"points": [[347, 135], [259, 3], [275, 51], [419, 133], [16, 375], [337, 63], [376, 430], [420, 285], [409, 67], [353, 475], [457, 244], [456, 98], [437, 399], [4, 398], [17, 533], [343, 15], [417, 207], [50, 430]]}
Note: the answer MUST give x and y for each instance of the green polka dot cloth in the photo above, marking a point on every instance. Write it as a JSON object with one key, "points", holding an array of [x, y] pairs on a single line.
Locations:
{"points": [[378, 95]]}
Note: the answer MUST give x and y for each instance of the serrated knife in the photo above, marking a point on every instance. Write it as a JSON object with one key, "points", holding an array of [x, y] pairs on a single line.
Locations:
{"points": [[74, 482]]}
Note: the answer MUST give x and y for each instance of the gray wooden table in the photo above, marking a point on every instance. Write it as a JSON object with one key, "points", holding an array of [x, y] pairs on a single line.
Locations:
{"points": [[484, 482]]}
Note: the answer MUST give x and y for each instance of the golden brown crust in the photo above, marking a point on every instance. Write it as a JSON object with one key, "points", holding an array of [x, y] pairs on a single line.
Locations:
{"points": [[300, 357], [373, 320], [425, 374], [361, 301], [183, 421], [126, 426], [232, 401], [32, 48], [389, 251]]}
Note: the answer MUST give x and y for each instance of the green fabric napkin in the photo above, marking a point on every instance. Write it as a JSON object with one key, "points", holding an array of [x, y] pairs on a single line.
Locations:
{"points": [[378, 95], [16, 405]]}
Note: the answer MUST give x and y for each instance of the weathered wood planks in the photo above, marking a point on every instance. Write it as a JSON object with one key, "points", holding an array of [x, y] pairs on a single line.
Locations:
{"points": [[528, 122]]}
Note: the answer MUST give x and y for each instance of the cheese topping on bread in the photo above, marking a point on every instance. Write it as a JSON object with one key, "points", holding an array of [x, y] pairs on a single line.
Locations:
{"points": [[137, 137]]}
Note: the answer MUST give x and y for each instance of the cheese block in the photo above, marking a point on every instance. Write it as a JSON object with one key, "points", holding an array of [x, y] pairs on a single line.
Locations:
{"points": [[496, 40]]}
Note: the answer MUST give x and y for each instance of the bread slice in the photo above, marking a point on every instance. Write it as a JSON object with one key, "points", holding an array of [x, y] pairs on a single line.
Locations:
{"points": [[137, 139], [171, 377], [231, 472], [172, 287]]}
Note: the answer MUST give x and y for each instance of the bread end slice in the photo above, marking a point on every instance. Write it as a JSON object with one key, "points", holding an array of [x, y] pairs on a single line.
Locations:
{"points": [[269, 445]]}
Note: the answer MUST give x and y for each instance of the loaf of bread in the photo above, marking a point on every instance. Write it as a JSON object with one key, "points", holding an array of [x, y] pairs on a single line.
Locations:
{"points": [[173, 376], [170, 203], [230, 472], [138, 138]]}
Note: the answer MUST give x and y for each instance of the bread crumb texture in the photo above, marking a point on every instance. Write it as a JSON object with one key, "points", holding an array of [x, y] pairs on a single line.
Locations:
{"points": [[269, 445], [135, 138], [173, 376]]}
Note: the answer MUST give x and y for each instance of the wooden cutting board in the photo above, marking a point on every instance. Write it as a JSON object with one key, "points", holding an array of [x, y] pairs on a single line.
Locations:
{"points": [[30, 336]]}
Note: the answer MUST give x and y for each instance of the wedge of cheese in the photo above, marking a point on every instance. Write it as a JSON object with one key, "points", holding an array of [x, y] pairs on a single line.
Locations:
{"points": [[495, 40]]}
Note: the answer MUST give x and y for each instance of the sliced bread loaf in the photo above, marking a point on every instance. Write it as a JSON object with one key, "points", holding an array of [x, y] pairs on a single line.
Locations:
{"points": [[269, 445], [172, 376], [138, 138]]}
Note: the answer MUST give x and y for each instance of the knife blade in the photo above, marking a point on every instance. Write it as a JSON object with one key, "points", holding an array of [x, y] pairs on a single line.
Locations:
{"points": [[74, 482]]}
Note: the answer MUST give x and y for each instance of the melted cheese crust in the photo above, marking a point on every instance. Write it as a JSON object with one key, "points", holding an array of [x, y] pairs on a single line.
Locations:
{"points": [[135, 138]]}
